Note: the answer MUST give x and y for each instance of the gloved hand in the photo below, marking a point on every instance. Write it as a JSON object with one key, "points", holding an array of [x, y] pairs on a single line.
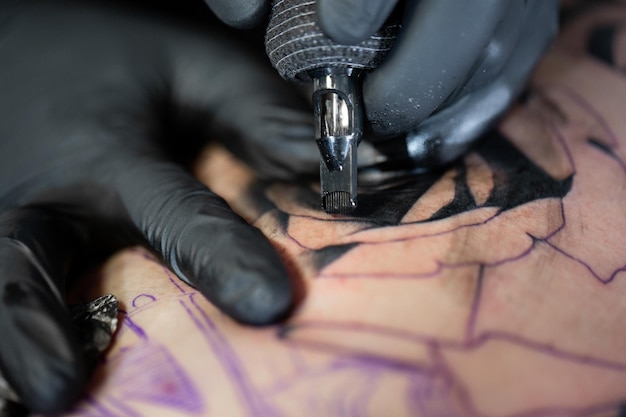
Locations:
{"points": [[97, 108], [454, 69]]}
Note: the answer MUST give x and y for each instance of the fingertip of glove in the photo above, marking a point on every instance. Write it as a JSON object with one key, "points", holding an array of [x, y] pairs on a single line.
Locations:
{"points": [[240, 14], [41, 358], [263, 305], [242, 275], [258, 293], [345, 24], [57, 391]]}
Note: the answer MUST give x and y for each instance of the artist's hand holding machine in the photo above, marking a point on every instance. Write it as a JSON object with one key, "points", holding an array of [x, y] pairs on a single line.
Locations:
{"points": [[99, 109]]}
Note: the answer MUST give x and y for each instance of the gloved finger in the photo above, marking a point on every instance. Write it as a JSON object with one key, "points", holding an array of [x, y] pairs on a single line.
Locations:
{"points": [[352, 21], [241, 14], [438, 45], [203, 241], [40, 355], [277, 142], [497, 52], [448, 134], [261, 118]]}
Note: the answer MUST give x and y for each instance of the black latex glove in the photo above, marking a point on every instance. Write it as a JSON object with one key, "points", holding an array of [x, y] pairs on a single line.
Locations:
{"points": [[93, 104], [454, 69]]}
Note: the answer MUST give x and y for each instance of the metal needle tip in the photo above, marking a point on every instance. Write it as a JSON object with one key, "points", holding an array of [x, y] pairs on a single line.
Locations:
{"points": [[338, 202]]}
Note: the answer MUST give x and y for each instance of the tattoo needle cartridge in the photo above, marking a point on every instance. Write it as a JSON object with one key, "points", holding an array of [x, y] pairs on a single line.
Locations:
{"points": [[338, 131], [299, 50]]}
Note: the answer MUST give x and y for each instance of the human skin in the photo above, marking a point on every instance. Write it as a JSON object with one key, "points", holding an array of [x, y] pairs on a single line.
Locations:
{"points": [[492, 288]]}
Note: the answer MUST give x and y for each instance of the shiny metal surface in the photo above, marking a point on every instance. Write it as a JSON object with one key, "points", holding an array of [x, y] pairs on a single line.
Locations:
{"points": [[338, 130]]}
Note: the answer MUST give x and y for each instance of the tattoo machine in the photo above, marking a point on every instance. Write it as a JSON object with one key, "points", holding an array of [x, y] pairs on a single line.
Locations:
{"points": [[300, 51]]}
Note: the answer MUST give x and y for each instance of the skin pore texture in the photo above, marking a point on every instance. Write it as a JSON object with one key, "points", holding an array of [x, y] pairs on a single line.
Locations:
{"points": [[495, 287]]}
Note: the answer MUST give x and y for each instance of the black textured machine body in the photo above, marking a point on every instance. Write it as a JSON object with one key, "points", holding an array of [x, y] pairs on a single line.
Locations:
{"points": [[295, 43]]}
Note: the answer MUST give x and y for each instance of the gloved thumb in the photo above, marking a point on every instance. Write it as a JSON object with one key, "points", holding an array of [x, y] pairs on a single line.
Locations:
{"points": [[241, 14], [352, 21]]}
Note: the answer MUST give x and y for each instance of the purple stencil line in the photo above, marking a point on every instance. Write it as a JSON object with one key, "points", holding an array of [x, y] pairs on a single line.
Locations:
{"points": [[442, 233], [434, 234], [587, 266], [149, 373], [511, 259], [558, 229], [561, 139], [454, 229], [539, 347], [373, 226], [439, 268], [465, 345], [149, 296], [125, 410], [101, 410], [297, 360], [382, 277], [294, 240], [348, 399], [368, 392], [359, 327], [371, 360], [173, 280], [473, 314], [352, 399], [584, 104], [357, 407], [347, 361], [462, 392], [228, 359], [403, 239], [385, 276], [460, 264], [417, 401], [332, 220], [144, 254], [588, 411], [619, 161], [132, 326]]}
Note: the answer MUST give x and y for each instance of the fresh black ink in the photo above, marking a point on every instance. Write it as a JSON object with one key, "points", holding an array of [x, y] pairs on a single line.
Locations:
{"points": [[387, 207], [601, 44], [517, 180], [327, 255], [463, 198]]}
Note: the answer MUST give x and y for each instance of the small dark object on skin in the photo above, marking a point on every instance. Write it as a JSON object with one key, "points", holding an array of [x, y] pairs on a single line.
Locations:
{"points": [[96, 322]]}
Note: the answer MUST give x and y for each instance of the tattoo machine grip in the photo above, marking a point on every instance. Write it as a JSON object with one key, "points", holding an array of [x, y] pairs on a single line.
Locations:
{"points": [[299, 50]]}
